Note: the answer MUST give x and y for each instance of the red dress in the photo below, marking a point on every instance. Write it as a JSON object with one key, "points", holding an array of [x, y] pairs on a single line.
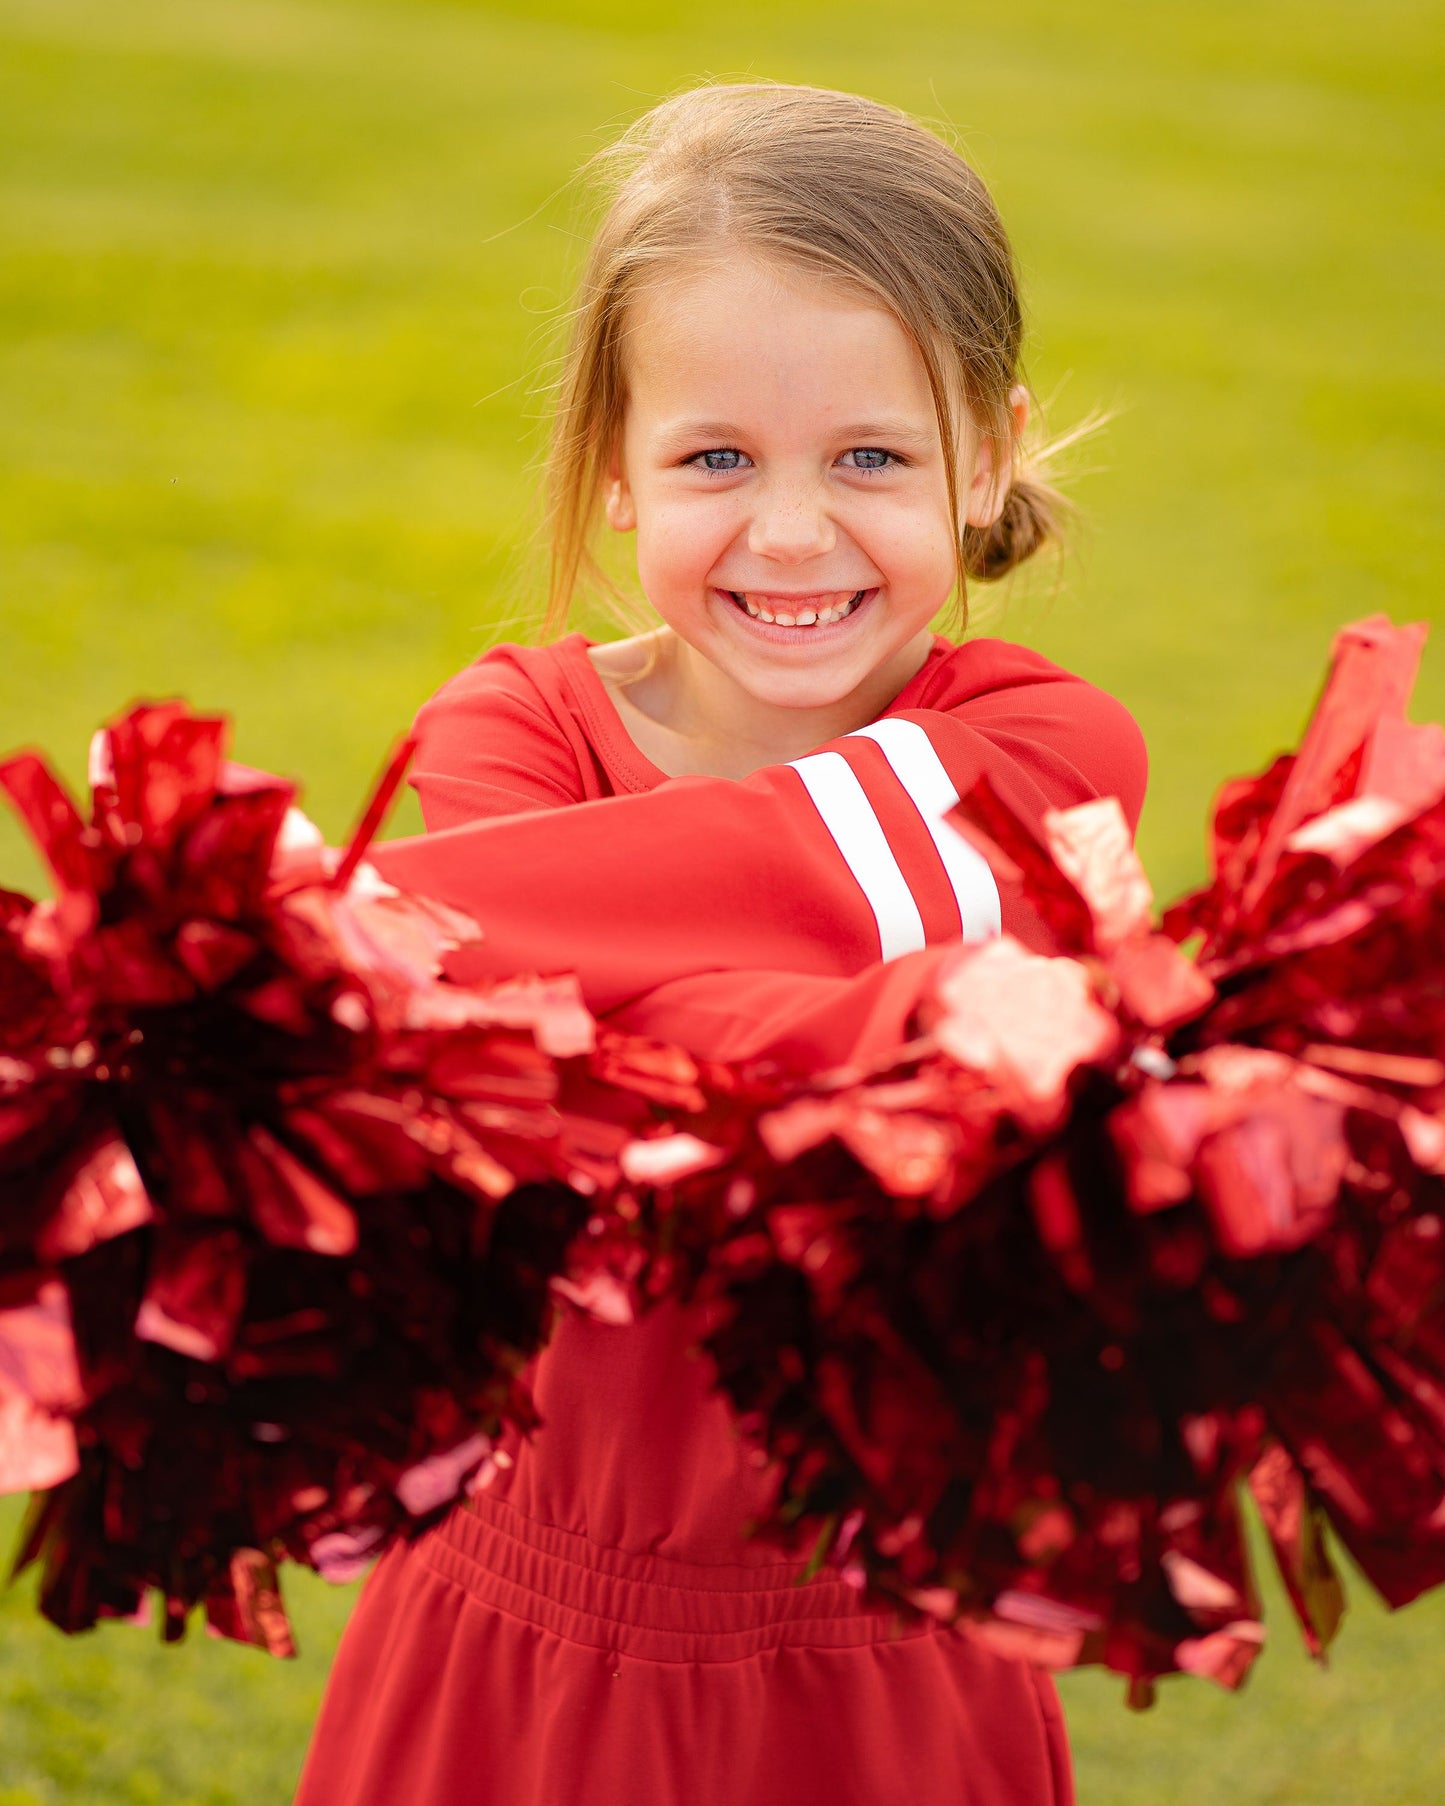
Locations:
{"points": [[595, 1628]]}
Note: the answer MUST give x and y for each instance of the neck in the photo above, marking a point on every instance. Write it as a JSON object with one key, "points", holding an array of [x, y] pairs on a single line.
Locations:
{"points": [[691, 718]]}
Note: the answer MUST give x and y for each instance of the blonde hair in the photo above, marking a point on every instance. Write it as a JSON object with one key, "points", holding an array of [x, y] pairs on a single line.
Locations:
{"points": [[847, 189]]}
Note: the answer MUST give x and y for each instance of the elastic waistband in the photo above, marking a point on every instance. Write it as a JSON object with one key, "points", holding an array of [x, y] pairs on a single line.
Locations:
{"points": [[650, 1607]]}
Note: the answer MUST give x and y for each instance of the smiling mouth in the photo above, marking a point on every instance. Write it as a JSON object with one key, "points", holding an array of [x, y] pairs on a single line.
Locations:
{"points": [[811, 611]]}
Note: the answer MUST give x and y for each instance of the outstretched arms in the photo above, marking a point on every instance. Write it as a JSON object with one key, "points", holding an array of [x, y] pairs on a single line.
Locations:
{"points": [[822, 867]]}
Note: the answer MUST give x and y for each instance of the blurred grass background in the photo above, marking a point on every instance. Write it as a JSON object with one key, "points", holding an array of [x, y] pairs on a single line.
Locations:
{"points": [[277, 278]]}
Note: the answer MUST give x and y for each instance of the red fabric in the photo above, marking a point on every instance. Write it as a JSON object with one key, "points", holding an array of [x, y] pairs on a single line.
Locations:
{"points": [[596, 1628], [670, 878]]}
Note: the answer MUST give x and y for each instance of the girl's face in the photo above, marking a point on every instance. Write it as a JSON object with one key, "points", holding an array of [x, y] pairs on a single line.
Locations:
{"points": [[781, 465]]}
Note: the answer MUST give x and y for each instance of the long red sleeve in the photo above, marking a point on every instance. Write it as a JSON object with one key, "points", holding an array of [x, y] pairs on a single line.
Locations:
{"points": [[822, 867]]}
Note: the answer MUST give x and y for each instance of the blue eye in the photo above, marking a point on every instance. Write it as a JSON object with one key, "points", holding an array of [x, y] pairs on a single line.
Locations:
{"points": [[868, 457], [724, 458]]}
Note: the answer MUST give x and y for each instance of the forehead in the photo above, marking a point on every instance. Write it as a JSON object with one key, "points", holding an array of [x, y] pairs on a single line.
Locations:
{"points": [[746, 340]]}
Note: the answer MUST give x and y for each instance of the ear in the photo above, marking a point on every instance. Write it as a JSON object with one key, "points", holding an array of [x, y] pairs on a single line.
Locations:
{"points": [[991, 474], [618, 505]]}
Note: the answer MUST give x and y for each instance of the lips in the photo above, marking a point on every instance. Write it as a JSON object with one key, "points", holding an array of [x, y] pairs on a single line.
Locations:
{"points": [[824, 609]]}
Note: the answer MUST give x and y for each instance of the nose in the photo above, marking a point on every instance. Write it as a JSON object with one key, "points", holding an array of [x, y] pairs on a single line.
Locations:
{"points": [[791, 524]]}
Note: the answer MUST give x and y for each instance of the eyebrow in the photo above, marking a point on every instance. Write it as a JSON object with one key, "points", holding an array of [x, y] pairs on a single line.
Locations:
{"points": [[863, 432]]}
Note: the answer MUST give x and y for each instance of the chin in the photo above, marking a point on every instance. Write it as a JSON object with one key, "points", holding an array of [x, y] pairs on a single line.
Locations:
{"points": [[797, 689]]}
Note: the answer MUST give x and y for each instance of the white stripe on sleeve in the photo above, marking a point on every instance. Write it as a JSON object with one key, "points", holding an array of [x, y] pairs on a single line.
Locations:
{"points": [[921, 772], [848, 816]]}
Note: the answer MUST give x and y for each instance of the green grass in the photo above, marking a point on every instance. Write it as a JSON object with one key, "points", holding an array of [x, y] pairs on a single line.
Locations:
{"points": [[276, 278], [116, 1716]]}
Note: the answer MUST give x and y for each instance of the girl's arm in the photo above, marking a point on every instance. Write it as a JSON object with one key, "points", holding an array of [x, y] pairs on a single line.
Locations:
{"points": [[822, 867], [803, 1024]]}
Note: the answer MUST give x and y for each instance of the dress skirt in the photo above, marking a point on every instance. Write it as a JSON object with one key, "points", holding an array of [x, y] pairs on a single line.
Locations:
{"points": [[503, 1659]]}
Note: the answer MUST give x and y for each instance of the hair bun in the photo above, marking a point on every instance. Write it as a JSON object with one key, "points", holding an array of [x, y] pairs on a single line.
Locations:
{"points": [[1031, 516]]}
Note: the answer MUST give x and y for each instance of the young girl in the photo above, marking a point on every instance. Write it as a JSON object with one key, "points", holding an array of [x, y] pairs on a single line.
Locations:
{"points": [[794, 377]]}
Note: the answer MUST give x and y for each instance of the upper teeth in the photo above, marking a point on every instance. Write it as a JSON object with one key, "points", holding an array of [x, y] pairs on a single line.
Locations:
{"points": [[805, 617]]}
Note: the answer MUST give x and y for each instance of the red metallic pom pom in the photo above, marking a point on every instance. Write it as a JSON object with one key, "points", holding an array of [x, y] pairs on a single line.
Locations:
{"points": [[1119, 1232], [1017, 1312], [280, 1210]]}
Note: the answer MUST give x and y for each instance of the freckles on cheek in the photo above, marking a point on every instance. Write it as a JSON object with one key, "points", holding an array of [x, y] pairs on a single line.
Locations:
{"points": [[686, 540], [922, 556], [671, 563], [665, 548]]}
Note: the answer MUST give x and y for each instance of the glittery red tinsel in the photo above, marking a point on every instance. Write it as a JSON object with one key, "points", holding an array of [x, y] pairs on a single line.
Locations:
{"points": [[1118, 1232], [1018, 1312], [279, 1211]]}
